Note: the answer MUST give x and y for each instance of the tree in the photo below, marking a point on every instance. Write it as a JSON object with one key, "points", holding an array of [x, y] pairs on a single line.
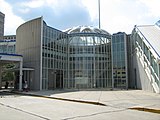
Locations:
{"points": [[8, 75]]}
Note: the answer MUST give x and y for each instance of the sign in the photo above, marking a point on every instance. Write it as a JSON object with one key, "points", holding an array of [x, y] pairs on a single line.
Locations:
{"points": [[11, 58]]}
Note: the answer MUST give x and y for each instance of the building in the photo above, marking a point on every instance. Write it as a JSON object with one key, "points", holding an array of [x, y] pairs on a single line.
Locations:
{"points": [[119, 60], [145, 57], [78, 58], [8, 44], [89, 57], [9, 37], [85, 57], [7, 53], [2, 16]]}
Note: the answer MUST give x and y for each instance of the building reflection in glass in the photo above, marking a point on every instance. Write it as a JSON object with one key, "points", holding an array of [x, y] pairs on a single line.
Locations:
{"points": [[119, 57]]}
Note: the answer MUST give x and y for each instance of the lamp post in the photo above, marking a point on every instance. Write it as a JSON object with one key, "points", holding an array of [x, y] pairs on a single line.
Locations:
{"points": [[99, 11]]}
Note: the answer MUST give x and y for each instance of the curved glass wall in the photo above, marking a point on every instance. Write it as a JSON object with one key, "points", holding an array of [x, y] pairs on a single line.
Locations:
{"points": [[76, 59], [54, 58], [89, 60]]}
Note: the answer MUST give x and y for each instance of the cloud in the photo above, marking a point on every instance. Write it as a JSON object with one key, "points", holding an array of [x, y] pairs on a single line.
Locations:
{"points": [[92, 7], [122, 15], [11, 20], [67, 14], [60, 14], [119, 15], [32, 3], [116, 15], [153, 7]]}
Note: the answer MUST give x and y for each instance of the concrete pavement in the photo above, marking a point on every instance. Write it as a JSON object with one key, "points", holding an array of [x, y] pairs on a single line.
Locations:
{"points": [[43, 105], [116, 98]]}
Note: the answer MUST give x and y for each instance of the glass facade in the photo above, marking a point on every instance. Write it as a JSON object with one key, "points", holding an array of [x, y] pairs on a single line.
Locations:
{"points": [[76, 59], [85, 57], [120, 78], [54, 58], [89, 60], [7, 46]]}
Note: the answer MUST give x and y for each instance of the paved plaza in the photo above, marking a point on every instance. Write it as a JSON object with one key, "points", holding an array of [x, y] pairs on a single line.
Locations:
{"points": [[27, 107]]}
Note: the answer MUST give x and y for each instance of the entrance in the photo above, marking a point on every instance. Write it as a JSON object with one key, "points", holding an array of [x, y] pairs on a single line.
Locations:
{"points": [[59, 79], [55, 78], [27, 76]]}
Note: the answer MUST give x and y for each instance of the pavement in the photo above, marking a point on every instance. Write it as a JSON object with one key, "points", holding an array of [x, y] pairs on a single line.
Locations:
{"points": [[79, 105], [129, 99]]}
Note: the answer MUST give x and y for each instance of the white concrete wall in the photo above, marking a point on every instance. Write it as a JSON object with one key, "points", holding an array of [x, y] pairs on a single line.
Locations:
{"points": [[140, 79], [143, 82], [28, 44]]}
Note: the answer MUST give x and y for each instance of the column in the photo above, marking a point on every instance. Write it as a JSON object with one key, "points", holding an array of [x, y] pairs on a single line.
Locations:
{"points": [[94, 62], [0, 77], [158, 75], [20, 75]]}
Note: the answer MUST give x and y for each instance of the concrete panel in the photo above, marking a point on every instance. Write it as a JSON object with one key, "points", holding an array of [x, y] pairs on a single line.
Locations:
{"points": [[28, 44], [141, 79]]}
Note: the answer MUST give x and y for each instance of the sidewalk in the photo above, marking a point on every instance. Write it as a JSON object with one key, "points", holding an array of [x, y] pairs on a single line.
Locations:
{"points": [[117, 98]]}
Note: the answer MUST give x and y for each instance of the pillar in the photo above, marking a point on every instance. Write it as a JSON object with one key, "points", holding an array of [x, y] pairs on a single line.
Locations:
{"points": [[0, 77], [20, 75]]}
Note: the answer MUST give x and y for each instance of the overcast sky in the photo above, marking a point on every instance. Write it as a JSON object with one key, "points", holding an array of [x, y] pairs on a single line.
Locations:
{"points": [[116, 15]]}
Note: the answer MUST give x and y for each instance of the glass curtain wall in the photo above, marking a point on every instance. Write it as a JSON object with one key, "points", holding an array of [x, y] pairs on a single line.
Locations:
{"points": [[119, 60], [54, 58], [7, 46], [76, 60], [89, 61]]}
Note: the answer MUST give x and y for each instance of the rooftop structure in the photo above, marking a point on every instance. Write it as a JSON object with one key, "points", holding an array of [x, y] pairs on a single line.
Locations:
{"points": [[1, 25]]}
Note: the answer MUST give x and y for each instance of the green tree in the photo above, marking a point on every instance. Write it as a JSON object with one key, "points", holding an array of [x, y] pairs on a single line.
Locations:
{"points": [[7, 75]]}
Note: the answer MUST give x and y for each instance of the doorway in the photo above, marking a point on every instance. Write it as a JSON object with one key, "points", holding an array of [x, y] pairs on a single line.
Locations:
{"points": [[55, 78], [59, 79]]}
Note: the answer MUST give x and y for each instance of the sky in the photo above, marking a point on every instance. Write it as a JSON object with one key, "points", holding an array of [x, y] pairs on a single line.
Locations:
{"points": [[116, 15]]}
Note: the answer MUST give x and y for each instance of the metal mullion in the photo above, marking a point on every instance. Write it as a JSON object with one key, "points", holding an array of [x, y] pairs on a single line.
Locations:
{"points": [[98, 62], [101, 56], [87, 47], [107, 70], [68, 53]]}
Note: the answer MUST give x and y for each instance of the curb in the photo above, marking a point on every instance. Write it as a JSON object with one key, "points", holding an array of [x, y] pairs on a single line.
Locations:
{"points": [[146, 109], [86, 102], [57, 98]]}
